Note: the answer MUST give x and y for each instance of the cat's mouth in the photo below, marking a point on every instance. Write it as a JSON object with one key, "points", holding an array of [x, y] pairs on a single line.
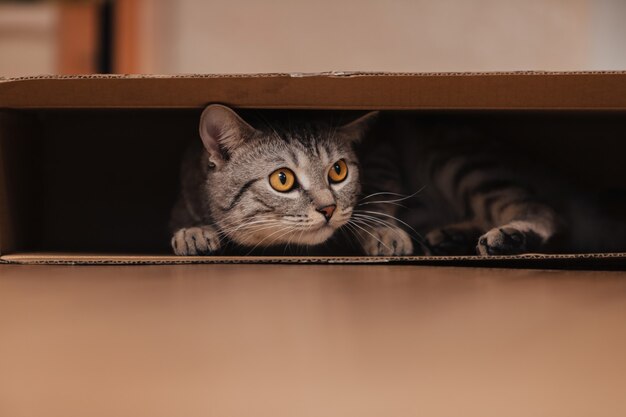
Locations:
{"points": [[276, 232], [322, 226]]}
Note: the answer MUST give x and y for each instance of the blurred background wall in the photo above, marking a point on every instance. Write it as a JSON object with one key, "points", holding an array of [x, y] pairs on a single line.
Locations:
{"points": [[239, 36]]}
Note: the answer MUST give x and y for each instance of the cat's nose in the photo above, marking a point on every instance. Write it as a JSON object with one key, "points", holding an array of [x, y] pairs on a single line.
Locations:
{"points": [[327, 211]]}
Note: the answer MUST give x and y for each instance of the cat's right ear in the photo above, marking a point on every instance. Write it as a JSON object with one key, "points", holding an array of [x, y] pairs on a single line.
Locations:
{"points": [[354, 131], [222, 131]]}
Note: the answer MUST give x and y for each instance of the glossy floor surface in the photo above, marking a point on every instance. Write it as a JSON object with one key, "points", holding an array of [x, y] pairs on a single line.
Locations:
{"points": [[310, 340]]}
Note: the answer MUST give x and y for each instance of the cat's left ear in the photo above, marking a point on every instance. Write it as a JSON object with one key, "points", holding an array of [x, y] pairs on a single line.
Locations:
{"points": [[354, 131], [222, 131]]}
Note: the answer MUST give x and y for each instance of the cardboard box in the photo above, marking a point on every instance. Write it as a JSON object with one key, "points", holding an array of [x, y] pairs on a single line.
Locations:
{"points": [[89, 164]]}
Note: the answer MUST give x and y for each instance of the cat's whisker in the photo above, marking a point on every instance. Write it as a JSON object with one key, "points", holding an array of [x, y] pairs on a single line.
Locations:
{"points": [[233, 220], [299, 239], [382, 202], [287, 245], [397, 231], [232, 229], [345, 228], [376, 222], [289, 230], [378, 219], [356, 224], [247, 239], [353, 235], [382, 193], [238, 222], [404, 197], [370, 223], [267, 237], [291, 238], [306, 229], [350, 227], [392, 217], [258, 228], [372, 235], [250, 230]]}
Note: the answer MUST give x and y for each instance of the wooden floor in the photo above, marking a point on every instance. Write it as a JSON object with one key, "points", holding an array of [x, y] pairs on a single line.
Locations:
{"points": [[316, 340]]}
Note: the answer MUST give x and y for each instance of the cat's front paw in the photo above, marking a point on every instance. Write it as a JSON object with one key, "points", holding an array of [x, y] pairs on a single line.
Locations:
{"points": [[200, 240], [387, 241], [502, 241]]}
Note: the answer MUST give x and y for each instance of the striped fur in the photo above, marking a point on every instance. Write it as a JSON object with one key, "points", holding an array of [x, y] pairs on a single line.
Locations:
{"points": [[226, 196], [413, 188], [472, 198]]}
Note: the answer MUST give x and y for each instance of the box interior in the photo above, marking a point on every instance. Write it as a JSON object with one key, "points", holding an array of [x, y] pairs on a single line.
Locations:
{"points": [[103, 181]]}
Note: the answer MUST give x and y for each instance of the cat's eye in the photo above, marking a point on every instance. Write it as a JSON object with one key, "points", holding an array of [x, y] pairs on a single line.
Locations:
{"points": [[338, 172], [283, 180]]}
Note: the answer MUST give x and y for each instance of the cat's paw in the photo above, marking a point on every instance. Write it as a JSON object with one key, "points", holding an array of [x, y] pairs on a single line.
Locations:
{"points": [[451, 240], [502, 241], [201, 240], [387, 241]]}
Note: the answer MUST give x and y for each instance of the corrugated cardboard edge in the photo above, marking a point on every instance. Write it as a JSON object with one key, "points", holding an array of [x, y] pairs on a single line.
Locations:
{"points": [[350, 90], [306, 74], [546, 260]]}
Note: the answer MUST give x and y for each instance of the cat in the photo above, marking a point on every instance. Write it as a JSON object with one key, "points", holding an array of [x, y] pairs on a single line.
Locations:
{"points": [[270, 186], [394, 187]]}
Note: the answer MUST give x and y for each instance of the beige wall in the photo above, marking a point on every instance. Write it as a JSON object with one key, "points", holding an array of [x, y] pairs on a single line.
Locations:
{"points": [[609, 34], [196, 36], [383, 35], [28, 39]]}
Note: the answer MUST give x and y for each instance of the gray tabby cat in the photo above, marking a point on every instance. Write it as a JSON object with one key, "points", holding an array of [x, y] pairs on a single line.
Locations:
{"points": [[275, 186], [300, 184]]}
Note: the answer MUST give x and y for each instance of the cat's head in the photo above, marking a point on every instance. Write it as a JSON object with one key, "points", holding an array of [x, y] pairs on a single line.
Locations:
{"points": [[295, 183]]}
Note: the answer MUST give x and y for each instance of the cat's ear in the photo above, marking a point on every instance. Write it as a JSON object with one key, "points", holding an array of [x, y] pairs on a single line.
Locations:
{"points": [[222, 131], [354, 131]]}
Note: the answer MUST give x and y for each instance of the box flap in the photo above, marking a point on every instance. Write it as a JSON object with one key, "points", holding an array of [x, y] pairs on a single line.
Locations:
{"points": [[335, 90]]}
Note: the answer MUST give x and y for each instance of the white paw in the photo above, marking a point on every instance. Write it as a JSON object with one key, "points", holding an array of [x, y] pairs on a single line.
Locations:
{"points": [[201, 240], [387, 241]]}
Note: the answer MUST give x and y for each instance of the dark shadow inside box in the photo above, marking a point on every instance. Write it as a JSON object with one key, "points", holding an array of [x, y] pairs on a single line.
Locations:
{"points": [[110, 177]]}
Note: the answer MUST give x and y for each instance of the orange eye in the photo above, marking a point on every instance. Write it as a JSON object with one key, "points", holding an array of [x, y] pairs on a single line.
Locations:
{"points": [[282, 180], [338, 172]]}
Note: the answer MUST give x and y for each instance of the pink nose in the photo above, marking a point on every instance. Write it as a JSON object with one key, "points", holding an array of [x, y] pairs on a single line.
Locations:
{"points": [[327, 211]]}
